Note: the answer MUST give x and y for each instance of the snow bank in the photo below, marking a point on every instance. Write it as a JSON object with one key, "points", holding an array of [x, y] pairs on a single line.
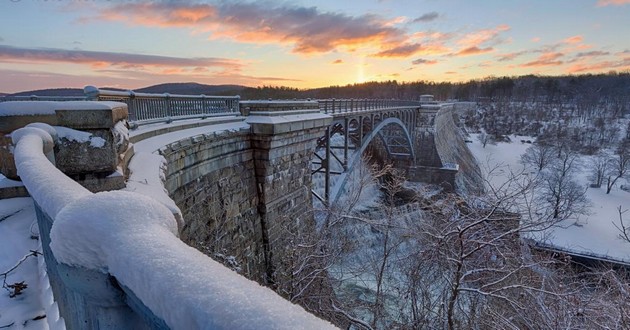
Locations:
{"points": [[17, 216], [133, 238], [147, 178]]}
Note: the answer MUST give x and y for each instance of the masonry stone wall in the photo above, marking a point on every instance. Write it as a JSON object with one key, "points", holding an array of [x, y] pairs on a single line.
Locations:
{"points": [[212, 180], [283, 170]]}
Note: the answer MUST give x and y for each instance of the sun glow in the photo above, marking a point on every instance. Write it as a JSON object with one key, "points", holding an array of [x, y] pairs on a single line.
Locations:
{"points": [[361, 71]]}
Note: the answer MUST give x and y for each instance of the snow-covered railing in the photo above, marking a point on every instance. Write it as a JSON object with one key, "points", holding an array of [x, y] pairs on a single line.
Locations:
{"points": [[115, 261], [42, 98], [145, 108], [585, 255], [332, 106]]}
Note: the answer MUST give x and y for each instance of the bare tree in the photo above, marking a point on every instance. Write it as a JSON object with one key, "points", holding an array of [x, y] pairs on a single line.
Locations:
{"points": [[619, 166], [623, 226], [599, 165], [563, 196], [484, 138], [539, 156]]}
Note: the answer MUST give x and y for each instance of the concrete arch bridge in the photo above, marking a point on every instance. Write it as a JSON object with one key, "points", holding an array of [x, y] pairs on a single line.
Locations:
{"points": [[236, 175]]}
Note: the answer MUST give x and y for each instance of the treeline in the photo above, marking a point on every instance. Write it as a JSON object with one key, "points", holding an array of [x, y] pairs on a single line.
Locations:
{"points": [[525, 88]]}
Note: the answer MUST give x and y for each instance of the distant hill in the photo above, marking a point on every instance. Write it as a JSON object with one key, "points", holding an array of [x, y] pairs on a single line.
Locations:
{"points": [[172, 88], [191, 89], [52, 92]]}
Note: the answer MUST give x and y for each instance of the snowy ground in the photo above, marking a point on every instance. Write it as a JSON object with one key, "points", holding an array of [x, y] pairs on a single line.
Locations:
{"points": [[595, 234], [17, 227]]}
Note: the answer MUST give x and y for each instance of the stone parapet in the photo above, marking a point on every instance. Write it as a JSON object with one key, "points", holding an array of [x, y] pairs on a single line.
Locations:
{"points": [[88, 143]]}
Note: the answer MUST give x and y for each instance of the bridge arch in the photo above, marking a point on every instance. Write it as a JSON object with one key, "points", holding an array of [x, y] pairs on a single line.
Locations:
{"points": [[376, 132]]}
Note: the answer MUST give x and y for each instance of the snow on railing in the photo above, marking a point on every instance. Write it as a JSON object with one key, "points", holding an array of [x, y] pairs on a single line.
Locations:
{"points": [[145, 108], [333, 106], [42, 98], [133, 238]]}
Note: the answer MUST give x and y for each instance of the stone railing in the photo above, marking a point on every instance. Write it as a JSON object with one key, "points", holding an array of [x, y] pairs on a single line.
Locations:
{"points": [[145, 108], [115, 260]]}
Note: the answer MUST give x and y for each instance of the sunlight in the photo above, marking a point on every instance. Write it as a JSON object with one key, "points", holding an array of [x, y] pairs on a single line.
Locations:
{"points": [[360, 71]]}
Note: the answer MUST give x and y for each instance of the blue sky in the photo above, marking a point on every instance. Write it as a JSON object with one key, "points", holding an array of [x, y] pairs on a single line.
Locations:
{"points": [[135, 43]]}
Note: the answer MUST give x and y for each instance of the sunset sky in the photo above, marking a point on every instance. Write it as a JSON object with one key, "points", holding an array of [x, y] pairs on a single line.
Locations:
{"points": [[136, 43]]}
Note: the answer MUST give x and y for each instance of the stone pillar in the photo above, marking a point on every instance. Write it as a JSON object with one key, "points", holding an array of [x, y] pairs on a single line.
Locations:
{"points": [[92, 139], [283, 139]]}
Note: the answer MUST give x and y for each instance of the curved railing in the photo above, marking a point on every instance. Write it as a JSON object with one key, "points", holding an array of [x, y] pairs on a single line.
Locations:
{"points": [[115, 261]]}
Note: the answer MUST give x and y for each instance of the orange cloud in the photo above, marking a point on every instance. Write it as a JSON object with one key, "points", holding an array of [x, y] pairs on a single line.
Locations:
{"points": [[476, 39], [338, 61], [545, 59], [603, 3], [573, 40], [474, 51], [306, 28]]}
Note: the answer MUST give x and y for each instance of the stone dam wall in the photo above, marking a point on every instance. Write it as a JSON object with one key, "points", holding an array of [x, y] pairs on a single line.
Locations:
{"points": [[452, 148]]}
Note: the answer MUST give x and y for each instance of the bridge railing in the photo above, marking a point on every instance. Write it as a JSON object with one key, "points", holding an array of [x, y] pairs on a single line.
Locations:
{"points": [[146, 108], [42, 98], [333, 106]]}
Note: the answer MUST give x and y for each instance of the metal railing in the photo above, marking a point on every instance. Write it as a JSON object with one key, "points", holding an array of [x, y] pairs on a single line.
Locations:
{"points": [[147, 108], [358, 105]]}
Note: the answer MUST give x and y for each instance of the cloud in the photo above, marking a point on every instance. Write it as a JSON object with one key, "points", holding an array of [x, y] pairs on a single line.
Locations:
{"points": [[573, 40], [546, 59], [428, 17], [509, 56], [487, 37], [338, 61], [105, 59], [623, 64], [404, 50], [474, 51], [535, 39], [603, 3], [595, 53], [424, 61], [306, 28]]}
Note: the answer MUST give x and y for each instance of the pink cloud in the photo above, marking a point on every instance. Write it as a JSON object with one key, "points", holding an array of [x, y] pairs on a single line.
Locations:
{"points": [[99, 60], [546, 59], [474, 51], [477, 38], [603, 3], [573, 40]]}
